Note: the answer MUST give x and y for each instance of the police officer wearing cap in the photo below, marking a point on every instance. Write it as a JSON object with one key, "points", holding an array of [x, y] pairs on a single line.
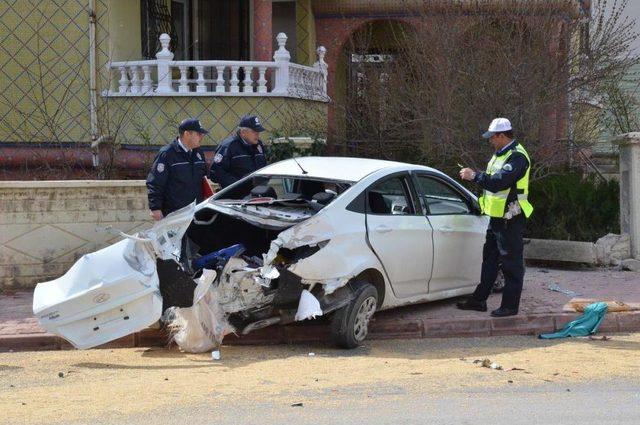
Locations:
{"points": [[505, 186], [240, 154], [175, 179]]}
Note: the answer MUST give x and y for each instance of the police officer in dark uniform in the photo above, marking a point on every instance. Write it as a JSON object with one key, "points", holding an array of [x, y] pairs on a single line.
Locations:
{"points": [[240, 154], [505, 187], [175, 180]]}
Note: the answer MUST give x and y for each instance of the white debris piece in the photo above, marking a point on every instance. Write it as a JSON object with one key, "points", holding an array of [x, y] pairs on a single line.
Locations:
{"points": [[268, 271], [201, 327], [166, 234], [215, 355], [240, 287], [309, 306]]}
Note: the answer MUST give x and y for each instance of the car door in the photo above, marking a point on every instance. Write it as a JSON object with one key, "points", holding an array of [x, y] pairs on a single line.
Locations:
{"points": [[458, 233], [400, 237]]}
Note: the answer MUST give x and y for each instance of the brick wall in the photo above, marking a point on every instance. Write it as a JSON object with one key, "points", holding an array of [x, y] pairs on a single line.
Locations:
{"points": [[46, 226]]}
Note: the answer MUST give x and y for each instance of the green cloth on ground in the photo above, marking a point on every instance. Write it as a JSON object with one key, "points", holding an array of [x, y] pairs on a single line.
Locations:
{"points": [[585, 325]]}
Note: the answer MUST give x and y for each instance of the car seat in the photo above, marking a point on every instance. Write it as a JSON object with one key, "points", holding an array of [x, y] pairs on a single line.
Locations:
{"points": [[263, 191], [377, 205]]}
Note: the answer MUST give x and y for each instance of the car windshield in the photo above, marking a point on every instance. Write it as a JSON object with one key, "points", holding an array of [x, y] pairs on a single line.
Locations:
{"points": [[283, 188]]}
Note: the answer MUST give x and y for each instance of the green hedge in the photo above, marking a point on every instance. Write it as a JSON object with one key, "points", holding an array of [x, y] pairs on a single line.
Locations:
{"points": [[287, 149], [571, 207]]}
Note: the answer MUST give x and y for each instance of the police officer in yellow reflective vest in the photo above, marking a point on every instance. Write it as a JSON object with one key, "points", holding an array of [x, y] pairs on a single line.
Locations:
{"points": [[505, 187]]}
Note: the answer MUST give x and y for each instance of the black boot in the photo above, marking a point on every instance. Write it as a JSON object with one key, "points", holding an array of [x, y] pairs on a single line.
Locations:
{"points": [[504, 312], [472, 304]]}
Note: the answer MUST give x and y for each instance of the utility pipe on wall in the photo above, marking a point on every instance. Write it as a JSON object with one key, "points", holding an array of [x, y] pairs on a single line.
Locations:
{"points": [[93, 100]]}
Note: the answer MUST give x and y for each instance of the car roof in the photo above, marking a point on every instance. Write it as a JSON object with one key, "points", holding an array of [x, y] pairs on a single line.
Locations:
{"points": [[334, 168]]}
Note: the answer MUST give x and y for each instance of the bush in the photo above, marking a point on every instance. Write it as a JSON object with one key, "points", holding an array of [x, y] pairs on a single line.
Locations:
{"points": [[288, 149], [570, 207]]}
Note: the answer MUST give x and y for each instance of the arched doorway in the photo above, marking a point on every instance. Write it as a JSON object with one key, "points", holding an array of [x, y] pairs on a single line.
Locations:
{"points": [[363, 126]]}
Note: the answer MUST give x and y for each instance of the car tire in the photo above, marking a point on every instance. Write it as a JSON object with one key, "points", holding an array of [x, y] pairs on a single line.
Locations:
{"points": [[349, 325]]}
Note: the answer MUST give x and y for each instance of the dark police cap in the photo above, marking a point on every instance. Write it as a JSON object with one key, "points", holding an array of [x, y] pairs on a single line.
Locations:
{"points": [[191, 124], [252, 122]]}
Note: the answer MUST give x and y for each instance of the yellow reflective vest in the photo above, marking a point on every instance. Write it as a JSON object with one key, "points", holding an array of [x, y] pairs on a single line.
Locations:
{"points": [[494, 204]]}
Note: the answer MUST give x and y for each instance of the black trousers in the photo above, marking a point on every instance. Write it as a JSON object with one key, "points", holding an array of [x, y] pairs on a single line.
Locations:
{"points": [[503, 249]]}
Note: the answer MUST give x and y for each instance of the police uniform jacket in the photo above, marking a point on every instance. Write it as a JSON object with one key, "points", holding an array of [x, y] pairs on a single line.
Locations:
{"points": [[235, 159], [508, 176], [175, 180]]}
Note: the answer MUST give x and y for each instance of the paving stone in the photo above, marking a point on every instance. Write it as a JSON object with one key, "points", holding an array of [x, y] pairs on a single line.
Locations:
{"points": [[609, 324], [306, 332], [35, 342], [151, 338], [560, 320], [443, 328], [629, 321], [522, 325], [124, 342]]}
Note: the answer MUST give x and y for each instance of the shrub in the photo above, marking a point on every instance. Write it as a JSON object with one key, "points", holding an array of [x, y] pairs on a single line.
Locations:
{"points": [[287, 149], [571, 207]]}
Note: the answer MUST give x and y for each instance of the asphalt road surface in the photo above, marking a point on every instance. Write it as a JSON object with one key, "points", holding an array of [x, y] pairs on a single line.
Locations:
{"points": [[566, 381]]}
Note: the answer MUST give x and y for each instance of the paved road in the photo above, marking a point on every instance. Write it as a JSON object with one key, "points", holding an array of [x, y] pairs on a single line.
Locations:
{"points": [[385, 382], [602, 402]]}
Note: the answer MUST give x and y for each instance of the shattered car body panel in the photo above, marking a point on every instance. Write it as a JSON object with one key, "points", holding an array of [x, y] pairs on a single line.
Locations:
{"points": [[284, 244], [112, 292]]}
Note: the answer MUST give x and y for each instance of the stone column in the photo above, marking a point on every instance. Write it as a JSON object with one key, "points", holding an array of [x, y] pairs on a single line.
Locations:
{"points": [[262, 32], [630, 188]]}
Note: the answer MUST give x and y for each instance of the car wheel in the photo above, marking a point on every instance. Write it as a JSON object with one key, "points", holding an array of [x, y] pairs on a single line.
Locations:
{"points": [[350, 324]]}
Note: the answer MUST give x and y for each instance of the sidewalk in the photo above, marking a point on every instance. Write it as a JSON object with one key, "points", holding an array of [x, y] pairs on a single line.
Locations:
{"points": [[541, 311]]}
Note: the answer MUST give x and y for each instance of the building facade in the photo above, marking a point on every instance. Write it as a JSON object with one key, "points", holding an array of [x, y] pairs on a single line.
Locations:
{"points": [[99, 84]]}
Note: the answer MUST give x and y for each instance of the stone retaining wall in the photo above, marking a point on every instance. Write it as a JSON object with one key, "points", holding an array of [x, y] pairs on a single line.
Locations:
{"points": [[45, 226]]}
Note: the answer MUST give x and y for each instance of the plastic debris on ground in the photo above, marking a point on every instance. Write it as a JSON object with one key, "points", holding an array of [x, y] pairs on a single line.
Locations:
{"points": [[488, 364], [587, 324], [308, 307], [601, 338], [556, 288], [201, 327]]}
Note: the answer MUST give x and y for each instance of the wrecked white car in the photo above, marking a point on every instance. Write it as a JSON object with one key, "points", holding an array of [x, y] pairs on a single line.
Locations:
{"points": [[337, 237]]}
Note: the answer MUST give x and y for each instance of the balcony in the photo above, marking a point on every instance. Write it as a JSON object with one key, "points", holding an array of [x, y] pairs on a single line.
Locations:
{"points": [[280, 78]]}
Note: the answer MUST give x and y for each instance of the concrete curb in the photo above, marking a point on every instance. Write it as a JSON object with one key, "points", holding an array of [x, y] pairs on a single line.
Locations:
{"points": [[380, 329]]}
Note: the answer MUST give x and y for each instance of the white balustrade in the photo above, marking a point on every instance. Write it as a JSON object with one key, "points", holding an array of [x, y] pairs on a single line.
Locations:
{"points": [[247, 83], [220, 80], [201, 87], [184, 83], [233, 88], [166, 77], [262, 81], [164, 58], [136, 82], [147, 83], [124, 80]]}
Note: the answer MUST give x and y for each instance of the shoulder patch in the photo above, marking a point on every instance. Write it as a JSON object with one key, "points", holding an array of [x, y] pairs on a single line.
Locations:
{"points": [[217, 158], [259, 148], [160, 167], [507, 167]]}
